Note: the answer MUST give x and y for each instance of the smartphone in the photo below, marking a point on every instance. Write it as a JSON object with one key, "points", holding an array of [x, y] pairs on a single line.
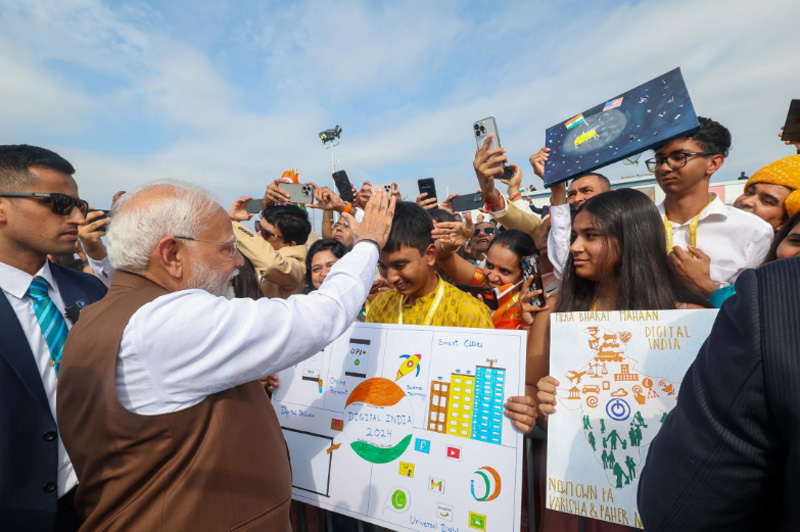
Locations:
{"points": [[343, 186], [489, 295], [298, 192], [530, 268], [386, 188], [105, 212], [791, 130], [482, 129], [427, 186], [468, 202], [254, 205], [357, 358]]}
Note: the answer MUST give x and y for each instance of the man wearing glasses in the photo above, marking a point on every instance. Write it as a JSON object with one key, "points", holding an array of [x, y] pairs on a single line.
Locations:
{"points": [[705, 238], [39, 215], [278, 254], [160, 404]]}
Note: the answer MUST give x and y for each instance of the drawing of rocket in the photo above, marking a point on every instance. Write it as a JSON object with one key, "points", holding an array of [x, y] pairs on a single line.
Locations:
{"points": [[408, 366]]}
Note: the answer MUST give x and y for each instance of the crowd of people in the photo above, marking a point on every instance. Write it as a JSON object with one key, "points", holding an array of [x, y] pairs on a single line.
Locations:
{"points": [[187, 312]]}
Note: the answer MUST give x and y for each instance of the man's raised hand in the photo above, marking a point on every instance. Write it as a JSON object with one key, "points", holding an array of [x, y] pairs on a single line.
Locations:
{"points": [[377, 220]]}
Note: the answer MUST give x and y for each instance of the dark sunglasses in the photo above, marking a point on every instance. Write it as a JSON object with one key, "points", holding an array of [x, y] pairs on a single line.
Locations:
{"points": [[268, 234], [488, 231], [60, 204]]}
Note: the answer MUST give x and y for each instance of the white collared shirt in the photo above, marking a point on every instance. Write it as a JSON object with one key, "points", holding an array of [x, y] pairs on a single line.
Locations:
{"points": [[559, 238], [734, 239], [184, 346], [102, 269], [15, 284]]}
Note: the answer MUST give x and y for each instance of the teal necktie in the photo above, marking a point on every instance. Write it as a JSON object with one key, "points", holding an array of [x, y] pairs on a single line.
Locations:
{"points": [[54, 328]]}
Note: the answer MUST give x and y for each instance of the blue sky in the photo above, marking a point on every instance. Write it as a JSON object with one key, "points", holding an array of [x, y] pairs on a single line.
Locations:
{"points": [[228, 94]]}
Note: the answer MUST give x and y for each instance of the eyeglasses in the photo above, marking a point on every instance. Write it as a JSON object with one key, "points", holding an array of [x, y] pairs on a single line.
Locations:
{"points": [[674, 160], [488, 231], [60, 204], [233, 246], [340, 223]]}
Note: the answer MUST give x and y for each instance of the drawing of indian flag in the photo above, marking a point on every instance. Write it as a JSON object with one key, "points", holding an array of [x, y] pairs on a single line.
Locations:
{"points": [[378, 420], [575, 121]]}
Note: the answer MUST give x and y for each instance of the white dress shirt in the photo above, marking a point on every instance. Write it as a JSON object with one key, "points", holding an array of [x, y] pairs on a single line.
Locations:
{"points": [[559, 238], [102, 269], [15, 284], [186, 345], [734, 239]]}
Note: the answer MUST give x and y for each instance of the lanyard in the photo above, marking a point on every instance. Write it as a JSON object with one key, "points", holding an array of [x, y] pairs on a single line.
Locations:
{"points": [[429, 316], [692, 229]]}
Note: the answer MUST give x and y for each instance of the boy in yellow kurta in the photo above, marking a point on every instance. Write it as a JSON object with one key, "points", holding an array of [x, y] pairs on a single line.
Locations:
{"points": [[419, 296]]}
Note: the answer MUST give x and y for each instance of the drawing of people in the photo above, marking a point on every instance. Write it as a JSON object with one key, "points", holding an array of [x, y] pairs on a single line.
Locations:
{"points": [[631, 466], [632, 436], [619, 473], [592, 441]]}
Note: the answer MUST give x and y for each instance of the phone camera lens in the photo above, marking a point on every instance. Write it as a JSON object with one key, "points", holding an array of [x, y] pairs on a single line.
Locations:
{"points": [[477, 133], [476, 126]]}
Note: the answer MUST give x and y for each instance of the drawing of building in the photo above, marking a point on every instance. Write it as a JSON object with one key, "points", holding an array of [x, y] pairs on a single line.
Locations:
{"points": [[487, 411], [625, 374], [437, 406], [459, 405]]}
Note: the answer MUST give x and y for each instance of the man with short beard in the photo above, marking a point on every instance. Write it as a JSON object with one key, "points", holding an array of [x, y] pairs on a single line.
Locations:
{"points": [[160, 406]]}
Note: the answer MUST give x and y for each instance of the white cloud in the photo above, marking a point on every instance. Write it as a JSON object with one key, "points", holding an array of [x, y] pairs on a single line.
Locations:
{"points": [[405, 81]]}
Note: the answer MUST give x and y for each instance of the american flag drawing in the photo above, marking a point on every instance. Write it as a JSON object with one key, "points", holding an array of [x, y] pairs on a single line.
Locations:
{"points": [[613, 103]]}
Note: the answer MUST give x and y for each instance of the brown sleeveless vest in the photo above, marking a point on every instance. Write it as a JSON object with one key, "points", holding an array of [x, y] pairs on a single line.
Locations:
{"points": [[219, 465]]}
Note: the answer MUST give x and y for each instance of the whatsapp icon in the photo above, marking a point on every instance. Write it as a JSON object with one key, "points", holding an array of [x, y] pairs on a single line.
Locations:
{"points": [[399, 500]]}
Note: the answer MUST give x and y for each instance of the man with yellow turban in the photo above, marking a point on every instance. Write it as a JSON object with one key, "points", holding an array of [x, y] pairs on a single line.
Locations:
{"points": [[773, 193]]}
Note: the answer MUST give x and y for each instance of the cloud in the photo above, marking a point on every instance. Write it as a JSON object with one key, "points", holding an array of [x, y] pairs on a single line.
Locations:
{"points": [[232, 94]]}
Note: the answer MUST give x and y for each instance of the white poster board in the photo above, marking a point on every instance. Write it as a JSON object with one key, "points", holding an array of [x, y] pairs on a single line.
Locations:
{"points": [[403, 426], [619, 374]]}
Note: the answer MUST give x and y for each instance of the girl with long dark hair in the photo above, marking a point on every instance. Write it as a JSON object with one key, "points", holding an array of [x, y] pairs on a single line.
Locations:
{"points": [[617, 262]]}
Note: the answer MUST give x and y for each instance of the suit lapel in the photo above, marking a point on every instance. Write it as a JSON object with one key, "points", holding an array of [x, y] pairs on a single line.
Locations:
{"points": [[17, 352], [71, 294]]}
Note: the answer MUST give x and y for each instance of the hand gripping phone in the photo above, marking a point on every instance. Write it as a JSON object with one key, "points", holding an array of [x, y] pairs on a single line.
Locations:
{"points": [[298, 192], [468, 202], [530, 268], [254, 205], [386, 188], [427, 186], [343, 186], [482, 129], [105, 212]]}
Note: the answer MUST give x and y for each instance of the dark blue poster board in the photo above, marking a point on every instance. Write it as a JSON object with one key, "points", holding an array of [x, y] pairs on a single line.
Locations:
{"points": [[642, 118]]}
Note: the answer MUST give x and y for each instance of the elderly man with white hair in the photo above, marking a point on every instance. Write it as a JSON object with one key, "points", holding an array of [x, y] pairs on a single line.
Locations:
{"points": [[159, 406]]}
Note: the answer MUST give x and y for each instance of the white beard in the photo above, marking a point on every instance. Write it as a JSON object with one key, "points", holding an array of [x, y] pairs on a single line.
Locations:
{"points": [[205, 278]]}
